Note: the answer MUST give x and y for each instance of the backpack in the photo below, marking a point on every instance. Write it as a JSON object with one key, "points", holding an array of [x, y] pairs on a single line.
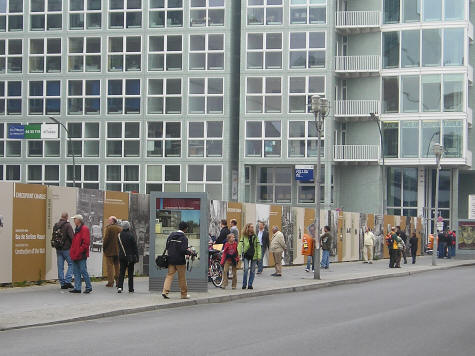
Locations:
{"points": [[57, 238], [249, 254]]}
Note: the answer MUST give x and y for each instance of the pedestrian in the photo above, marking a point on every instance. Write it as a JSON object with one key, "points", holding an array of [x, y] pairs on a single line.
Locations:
{"points": [[277, 247], [177, 248], [452, 242], [234, 229], [79, 253], [128, 256], [392, 241], [263, 237], [413, 241], [442, 237], [223, 234], [230, 258], [403, 236], [110, 247], [326, 244], [250, 250], [308, 243], [368, 246], [62, 238]]}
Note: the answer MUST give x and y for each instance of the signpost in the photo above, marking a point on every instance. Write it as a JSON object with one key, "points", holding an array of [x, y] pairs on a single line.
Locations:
{"points": [[304, 172], [33, 132]]}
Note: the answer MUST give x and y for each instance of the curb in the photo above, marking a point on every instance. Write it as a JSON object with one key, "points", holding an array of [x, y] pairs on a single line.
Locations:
{"points": [[229, 298]]}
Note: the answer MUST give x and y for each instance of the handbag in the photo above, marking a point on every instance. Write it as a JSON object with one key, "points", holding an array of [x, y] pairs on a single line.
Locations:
{"points": [[162, 260], [130, 258]]}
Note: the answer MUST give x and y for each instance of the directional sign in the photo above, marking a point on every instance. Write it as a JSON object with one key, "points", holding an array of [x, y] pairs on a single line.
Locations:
{"points": [[16, 131], [33, 131], [304, 172]]}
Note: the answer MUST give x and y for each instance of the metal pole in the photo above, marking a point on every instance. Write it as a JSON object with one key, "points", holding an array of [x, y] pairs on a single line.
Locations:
{"points": [[436, 213], [316, 255], [383, 167], [72, 147]]}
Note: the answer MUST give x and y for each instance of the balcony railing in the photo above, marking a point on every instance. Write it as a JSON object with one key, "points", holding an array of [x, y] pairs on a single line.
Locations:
{"points": [[358, 19], [356, 153], [370, 63], [356, 108]]}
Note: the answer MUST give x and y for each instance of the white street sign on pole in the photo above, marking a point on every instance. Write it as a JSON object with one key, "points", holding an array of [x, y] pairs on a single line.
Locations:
{"points": [[471, 206], [49, 131]]}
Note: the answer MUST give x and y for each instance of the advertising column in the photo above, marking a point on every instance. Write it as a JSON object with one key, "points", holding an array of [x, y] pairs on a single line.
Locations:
{"points": [[29, 232]]}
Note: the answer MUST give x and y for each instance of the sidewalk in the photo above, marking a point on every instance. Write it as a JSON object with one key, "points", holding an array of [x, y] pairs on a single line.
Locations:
{"points": [[48, 304]]}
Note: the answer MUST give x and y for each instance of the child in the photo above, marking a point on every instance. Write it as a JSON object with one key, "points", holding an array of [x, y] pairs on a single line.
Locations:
{"points": [[230, 258]]}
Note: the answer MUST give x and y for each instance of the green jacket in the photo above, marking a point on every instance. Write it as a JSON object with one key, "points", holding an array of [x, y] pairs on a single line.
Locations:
{"points": [[243, 246]]}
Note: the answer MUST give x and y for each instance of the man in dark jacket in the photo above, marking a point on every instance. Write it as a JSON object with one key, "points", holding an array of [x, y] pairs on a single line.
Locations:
{"points": [[128, 256], [177, 247], [223, 234], [110, 247], [263, 237], [442, 244], [62, 254], [326, 243], [403, 236], [413, 241]]}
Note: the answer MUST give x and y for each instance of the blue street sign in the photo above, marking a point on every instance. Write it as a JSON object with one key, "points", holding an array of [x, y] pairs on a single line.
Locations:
{"points": [[304, 173], [16, 131]]}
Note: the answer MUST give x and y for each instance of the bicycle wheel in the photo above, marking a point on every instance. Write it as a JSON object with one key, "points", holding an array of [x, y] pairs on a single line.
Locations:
{"points": [[216, 274]]}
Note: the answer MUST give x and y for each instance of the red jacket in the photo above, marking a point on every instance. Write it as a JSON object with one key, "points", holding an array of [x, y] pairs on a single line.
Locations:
{"points": [[80, 246], [229, 250]]}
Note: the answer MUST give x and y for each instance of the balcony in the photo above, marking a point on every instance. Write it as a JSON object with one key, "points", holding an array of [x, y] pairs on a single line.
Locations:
{"points": [[356, 153], [356, 108], [358, 21], [354, 66]]}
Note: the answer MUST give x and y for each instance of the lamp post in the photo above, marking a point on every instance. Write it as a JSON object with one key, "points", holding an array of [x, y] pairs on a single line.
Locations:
{"points": [[320, 109], [383, 171], [438, 151], [72, 147]]}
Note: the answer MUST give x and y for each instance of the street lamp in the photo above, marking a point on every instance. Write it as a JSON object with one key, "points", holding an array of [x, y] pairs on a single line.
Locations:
{"points": [[438, 151], [72, 147], [320, 108], [378, 121]]}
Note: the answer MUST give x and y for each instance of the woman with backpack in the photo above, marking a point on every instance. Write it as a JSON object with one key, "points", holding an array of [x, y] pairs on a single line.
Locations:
{"points": [[250, 250]]}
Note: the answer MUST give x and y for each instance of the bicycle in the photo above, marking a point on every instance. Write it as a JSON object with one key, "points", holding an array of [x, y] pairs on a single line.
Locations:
{"points": [[215, 270]]}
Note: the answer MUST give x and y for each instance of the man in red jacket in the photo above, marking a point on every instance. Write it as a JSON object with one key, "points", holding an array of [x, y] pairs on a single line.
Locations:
{"points": [[79, 253]]}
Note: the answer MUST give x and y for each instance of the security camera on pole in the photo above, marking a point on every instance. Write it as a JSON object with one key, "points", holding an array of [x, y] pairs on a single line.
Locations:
{"points": [[320, 109]]}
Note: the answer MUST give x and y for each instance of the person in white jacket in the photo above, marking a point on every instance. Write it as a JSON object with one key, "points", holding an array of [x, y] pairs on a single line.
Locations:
{"points": [[368, 246]]}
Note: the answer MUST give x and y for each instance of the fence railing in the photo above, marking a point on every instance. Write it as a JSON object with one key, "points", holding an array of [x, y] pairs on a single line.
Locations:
{"points": [[356, 153], [358, 19], [371, 63], [356, 108]]}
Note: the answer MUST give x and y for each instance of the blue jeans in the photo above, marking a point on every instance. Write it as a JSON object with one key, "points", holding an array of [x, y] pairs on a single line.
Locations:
{"points": [[61, 257], [80, 269], [325, 259], [310, 258], [260, 263], [451, 251], [252, 264], [441, 248]]}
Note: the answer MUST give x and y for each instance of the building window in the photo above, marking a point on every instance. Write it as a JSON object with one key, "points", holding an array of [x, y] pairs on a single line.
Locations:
{"points": [[274, 184], [402, 191], [123, 96], [44, 97], [11, 15], [163, 178], [165, 52], [428, 10], [125, 14], [3, 134], [301, 90], [84, 97], [264, 95], [165, 13], [164, 96], [12, 147], [206, 95], [84, 54], [263, 138], [43, 174], [308, 11], [123, 139], [85, 139], [205, 139], [45, 14], [11, 52], [264, 50], [125, 54], [206, 13], [260, 12], [85, 13], [123, 178], [10, 97], [12, 172], [307, 50], [302, 140], [206, 178], [306, 190], [163, 139], [45, 55], [207, 52], [86, 176]]}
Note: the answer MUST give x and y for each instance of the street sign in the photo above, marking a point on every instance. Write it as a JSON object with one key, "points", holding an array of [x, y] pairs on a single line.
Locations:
{"points": [[303, 172], [33, 131], [16, 131], [440, 226], [440, 219], [49, 131]]}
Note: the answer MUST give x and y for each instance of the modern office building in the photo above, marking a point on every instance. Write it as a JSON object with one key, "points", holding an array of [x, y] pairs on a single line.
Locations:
{"points": [[212, 95]]}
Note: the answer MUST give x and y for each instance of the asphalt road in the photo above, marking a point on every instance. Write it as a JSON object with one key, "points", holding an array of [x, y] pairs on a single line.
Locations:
{"points": [[427, 314]]}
